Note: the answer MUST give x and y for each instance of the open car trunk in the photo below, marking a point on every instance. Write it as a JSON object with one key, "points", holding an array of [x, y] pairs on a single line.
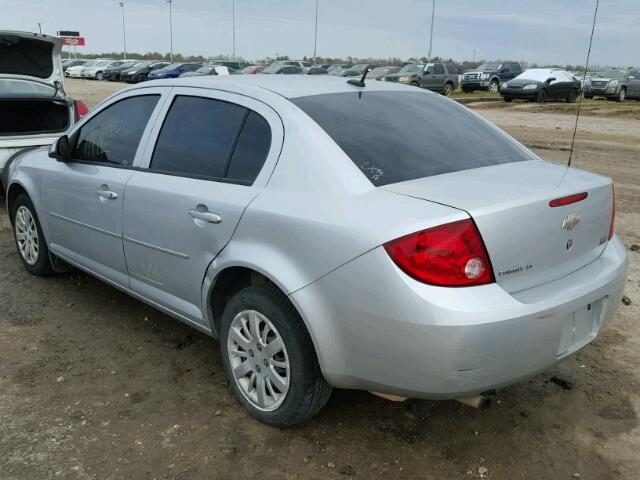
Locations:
{"points": [[36, 116]]}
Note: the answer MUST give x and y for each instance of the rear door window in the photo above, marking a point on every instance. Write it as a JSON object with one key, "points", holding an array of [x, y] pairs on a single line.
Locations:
{"points": [[211, 139], [112, 135], [398, 136], [438, 69]]}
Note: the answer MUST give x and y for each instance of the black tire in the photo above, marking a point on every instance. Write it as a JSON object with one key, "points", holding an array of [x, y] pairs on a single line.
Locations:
{"points": [[573, 94], [588, 97], [622, 95], [42, 267], [141, 78], [99, 76], [468, 90], [415, 84], [542, 96], [508, 99], [494, 86], [308, 391], [448, 89]]}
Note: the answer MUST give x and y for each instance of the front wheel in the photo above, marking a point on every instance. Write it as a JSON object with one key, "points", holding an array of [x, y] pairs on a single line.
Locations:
{"points": [[508, 99], [622, 95], [588, 97], [99, 76], [270, 359], [415, 84], [494, 86], [29, 238], [141, 78]]}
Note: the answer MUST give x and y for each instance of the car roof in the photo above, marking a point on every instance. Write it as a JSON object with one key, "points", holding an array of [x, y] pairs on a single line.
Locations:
{"points": [[288, 86]]}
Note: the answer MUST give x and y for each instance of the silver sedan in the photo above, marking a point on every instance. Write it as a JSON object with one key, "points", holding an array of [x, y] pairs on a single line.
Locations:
{"points": [[372, 237]]}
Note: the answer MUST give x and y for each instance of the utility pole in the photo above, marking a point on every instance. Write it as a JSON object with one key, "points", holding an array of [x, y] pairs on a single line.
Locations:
{"points": [[170, 31], [124, 34], [474, 55], [233, 21], [433, 12], [315, 38]]}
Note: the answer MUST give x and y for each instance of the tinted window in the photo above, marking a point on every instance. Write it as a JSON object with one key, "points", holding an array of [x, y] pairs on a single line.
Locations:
{"points": [[251, 150], [197, 137], [397, 136], [438, 69], [113, 135], [452, 69]]}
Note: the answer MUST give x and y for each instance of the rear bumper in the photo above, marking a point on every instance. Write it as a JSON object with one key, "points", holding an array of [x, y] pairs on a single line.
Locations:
{"points": [[375, 328]]}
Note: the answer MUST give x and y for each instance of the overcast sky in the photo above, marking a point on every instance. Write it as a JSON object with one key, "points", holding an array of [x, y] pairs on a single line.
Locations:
{"points": [[543, 31]]}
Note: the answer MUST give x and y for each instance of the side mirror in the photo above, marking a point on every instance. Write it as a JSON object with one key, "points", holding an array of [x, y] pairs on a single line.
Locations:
{"points": [[552, 79], [61, 149]]}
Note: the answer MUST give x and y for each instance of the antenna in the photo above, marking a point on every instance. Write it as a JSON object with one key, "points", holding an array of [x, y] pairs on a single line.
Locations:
{"points": [[360, 83], [584, 81]]}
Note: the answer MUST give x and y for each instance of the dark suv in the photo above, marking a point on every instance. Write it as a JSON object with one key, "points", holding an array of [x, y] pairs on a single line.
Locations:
{"points": [[614, 85], [490, 76], [439, 77]]}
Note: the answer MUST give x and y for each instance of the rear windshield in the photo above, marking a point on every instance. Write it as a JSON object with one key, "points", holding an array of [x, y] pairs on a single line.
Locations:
{"points": [[396, 136]]}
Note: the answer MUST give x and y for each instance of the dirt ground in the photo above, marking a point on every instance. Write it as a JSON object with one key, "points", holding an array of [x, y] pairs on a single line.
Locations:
{"points": [[94, 384]]}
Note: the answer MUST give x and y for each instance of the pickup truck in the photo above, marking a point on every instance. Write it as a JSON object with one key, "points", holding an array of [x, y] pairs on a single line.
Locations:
{"points": [[490, 76], [439, 77]]}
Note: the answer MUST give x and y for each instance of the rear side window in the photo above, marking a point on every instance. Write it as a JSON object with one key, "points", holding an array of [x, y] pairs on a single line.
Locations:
{"points": [[452, 69], [438, 69], [397, 136], [212, 139], [112, 136]]}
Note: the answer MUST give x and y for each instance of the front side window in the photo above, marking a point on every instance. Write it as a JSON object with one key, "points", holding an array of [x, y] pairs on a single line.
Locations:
{"points": [[112, 136], [212, 139], [398, 136]]}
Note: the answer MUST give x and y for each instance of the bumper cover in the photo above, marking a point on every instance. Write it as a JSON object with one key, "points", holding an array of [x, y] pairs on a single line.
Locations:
{"points": [[375, 328]]}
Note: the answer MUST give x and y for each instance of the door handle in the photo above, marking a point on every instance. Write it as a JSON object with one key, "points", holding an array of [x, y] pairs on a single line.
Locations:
{"points": [[209, 217], [107, 194]]}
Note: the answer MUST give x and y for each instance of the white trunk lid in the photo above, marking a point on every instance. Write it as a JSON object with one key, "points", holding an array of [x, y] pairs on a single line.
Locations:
{"points": [[30, 56]]}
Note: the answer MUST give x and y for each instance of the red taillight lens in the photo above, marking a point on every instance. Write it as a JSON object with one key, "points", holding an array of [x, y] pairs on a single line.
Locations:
{"points": [[451, 255], [613, 212], [561, 202], [80, 108]]}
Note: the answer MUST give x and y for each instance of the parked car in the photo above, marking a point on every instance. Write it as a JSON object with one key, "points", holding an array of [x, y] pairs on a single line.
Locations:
{"points": [[140, 71], [236, 66], [296, 63], [379, 72], [113, 71], [34, 108], [316, 71], [335, 66], [421, 276], [76, 71], [540, 85], [210, 69], [252, 69], [72, 63], [438, 77], [94, 72], [490, 76], [326, 66], [357, 70], [613, 85], [283, 69], [173, 70]]}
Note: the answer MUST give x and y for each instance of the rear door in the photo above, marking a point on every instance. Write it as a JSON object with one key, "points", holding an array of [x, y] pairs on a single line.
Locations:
{"points": [[633, 84], [208, 159], [434, 77], [84, 196]]}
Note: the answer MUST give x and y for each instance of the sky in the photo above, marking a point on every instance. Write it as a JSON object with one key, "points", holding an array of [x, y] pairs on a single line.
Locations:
{"points": [[541, 31]]}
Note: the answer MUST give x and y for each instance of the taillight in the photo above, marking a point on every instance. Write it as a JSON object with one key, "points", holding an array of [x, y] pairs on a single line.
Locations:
{"points": [[568, 200], [80, 109], [613, 212], [451, 255]]}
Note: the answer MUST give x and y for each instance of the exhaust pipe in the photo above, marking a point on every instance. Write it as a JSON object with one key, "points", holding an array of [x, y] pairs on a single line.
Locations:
{"points": [[478, 401], [388, 396]]}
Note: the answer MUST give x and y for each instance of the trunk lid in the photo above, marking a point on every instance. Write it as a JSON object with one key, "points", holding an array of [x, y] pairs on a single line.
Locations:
{"points": [[30, 56], [528, 241]]}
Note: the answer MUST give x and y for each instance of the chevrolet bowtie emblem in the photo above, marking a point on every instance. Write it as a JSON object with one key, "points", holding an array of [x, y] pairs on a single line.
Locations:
{"points": [[571, 222]]}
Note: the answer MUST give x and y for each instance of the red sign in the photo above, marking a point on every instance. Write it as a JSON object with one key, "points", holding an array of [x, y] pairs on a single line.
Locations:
{"points": [[77, 41]]}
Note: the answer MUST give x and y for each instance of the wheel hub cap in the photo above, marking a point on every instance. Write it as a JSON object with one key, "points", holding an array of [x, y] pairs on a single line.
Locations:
{"points": [[27, 235], [259, 360]]}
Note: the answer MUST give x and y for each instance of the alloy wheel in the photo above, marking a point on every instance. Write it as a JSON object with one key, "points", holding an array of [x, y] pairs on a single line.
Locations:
{"points": [[494, 87], [27, 235], [622, 95], [259, 360]]}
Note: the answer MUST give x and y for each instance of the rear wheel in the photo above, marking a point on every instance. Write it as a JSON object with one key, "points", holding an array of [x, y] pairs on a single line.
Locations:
{"points": [[508, 99], [494, 86], [29, 237], [448, 89], [269, 357], [99, 76], [542, 96]]}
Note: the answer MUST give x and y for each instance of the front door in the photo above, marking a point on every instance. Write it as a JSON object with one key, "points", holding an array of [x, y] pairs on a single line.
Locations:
{"points": [[84, 195], [183, 209]]}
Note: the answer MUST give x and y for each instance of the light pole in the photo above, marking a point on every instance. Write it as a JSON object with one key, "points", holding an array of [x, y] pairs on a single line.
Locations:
{"points": [[233, 21], [170, 31], [433, 12], [315, 37], [124, 34]]}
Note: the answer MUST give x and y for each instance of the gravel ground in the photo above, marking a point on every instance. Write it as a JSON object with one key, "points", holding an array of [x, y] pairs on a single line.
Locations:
{"points": [[94, 384]]}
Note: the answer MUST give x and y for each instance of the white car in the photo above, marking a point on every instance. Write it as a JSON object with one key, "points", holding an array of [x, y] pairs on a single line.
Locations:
{"points": [[34, 109], [95, 71]]}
